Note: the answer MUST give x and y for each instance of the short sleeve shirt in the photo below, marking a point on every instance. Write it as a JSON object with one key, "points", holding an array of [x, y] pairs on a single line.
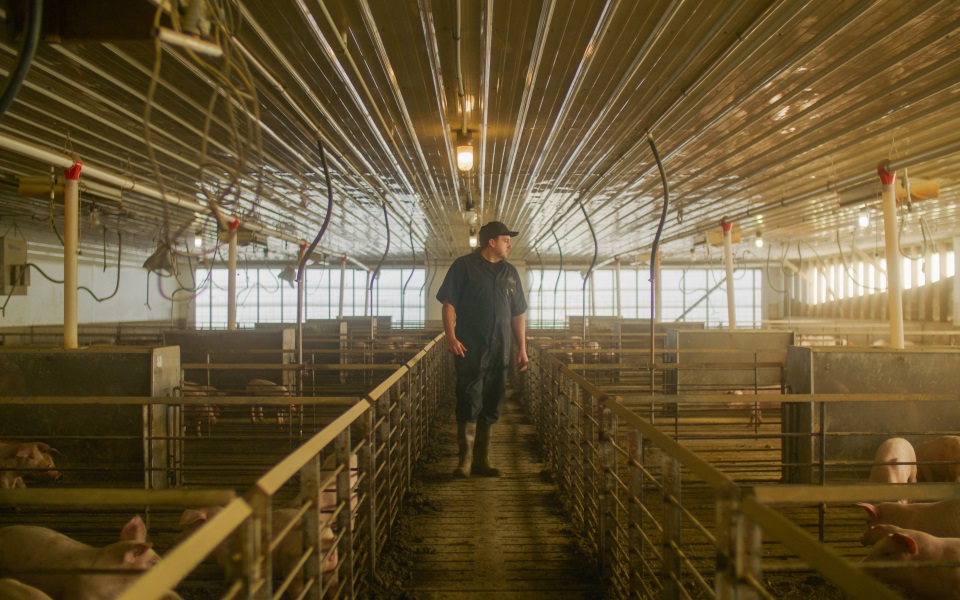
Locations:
{"points": [[486, 297]]}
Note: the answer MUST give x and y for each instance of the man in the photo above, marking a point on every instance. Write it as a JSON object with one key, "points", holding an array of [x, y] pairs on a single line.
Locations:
{"points": [[483, 308]]}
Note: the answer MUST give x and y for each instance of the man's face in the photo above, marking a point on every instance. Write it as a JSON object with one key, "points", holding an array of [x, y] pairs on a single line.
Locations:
{"points": [[501, 246]]}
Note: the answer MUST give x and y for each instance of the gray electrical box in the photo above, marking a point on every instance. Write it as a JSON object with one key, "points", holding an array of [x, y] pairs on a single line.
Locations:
{"points": [[15, 275]]}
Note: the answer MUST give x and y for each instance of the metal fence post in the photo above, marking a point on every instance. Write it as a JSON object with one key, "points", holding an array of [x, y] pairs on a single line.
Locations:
{"points": [[345, 517], [591, 496], [309, 492], [608, 512], [670, 550], [257, 564], [725, 582], [749, 538], [638, 571], [367, 488], [406, 433], [385, 487]]}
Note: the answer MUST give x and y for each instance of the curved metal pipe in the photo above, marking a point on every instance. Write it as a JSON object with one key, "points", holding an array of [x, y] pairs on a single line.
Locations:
{"points": [[307, 253], [376, 272], [656, 243], [586, 277], [31, 39], [403, 292], [556, 285]]}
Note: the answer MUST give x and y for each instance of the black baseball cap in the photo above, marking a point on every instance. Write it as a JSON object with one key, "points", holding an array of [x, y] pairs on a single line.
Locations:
{"points": [[494, 229]]}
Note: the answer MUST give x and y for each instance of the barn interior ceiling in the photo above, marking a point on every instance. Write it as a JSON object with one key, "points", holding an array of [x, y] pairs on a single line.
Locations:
{"points": [[771, 114]]}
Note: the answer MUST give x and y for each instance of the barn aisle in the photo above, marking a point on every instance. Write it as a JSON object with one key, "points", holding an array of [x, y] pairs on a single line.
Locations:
{"points": [[495, 537]]}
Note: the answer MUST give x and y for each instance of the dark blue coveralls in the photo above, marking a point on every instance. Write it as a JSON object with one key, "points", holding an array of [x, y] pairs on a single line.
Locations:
{"points": [[486, 297]]}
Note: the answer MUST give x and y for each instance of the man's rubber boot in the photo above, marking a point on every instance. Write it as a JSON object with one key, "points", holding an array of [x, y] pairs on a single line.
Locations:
{"points": [[466, 436], [481, 459]]}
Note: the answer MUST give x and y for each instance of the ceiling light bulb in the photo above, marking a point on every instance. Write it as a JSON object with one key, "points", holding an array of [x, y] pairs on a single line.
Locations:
{"points": [[464, 151], [473, 237], [759, 240], [863, 219], [198, 240]]}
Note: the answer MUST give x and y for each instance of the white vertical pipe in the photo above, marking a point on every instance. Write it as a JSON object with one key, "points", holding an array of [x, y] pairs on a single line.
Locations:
{"points": [[617, 284], [728, 262], [232, 277], [71, 235], [593, 296], [894, 282], [343, 275], [657, 291]]}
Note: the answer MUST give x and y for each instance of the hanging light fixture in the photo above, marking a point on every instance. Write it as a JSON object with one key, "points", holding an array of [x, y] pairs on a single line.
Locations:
{"points": [[288, 274], [464, 150], [473, 237], [198, 239], [863, 219], [758, 241], [160, 262]]}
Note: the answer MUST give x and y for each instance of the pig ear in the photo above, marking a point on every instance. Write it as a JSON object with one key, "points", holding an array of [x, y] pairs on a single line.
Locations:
{"points": [[191, 516], [872, 511], [26, 450], [46, 448], [905, 542], [132, 553], [134, 531]]}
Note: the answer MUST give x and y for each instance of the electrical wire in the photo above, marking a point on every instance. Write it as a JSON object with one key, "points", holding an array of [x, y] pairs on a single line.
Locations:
{"points": [[556, 285], [586, 277], [403, 291], [31, 39], [116, 288]]}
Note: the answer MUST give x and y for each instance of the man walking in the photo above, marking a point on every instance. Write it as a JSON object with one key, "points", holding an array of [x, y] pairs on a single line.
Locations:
{"points": [[483, 309]]}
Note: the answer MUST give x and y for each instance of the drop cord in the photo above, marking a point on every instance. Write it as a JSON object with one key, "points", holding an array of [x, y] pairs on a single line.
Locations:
{"points": [[586, 277], [31, 39], [556, 285], [656, 242]]}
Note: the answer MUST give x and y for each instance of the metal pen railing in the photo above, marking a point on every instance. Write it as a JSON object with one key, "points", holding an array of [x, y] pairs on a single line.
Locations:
{"points": [[663, 521], [349, 479]]}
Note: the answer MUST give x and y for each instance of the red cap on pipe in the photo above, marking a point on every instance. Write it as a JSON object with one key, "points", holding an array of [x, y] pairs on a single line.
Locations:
{"points": [[726, 226], [886, 177], [235, 224], [73, 173], [343, 258]]}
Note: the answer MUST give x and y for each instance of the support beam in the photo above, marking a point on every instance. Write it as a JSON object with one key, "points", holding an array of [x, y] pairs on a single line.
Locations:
{"points": [[71, 237], [728, 262], [891, 237]]}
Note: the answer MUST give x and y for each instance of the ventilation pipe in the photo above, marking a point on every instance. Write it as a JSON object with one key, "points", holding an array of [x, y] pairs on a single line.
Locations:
{"points": [[232, 276], [657, 291], [71, 234], [728, 262], [894, 285]]}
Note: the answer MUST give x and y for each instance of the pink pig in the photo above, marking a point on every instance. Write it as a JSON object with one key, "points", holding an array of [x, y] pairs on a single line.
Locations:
{"points": [[25, 549], [11, 589], [886, 468], [941, 450], [938, 583], [18, 459], [941, 519], [285, 556]]}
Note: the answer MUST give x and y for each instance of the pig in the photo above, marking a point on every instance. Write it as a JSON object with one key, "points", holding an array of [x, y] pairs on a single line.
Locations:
{"points": [[25, 549], [886, 468], [906, 545], [263, 387], [941, 519], [941, 450], [19, 458], [11, 589], [285, 556], [756, 417], [196, 415]]}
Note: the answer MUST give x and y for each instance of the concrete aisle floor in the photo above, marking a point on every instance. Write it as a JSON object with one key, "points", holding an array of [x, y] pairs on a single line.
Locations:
{"points": [[496, 537]]}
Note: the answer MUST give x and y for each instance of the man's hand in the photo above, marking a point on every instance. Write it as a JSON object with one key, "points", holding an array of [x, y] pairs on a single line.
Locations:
{"points": [[455, 347], [522, 360]]}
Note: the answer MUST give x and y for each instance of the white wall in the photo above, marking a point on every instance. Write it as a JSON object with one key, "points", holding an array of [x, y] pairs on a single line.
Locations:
{"points": [[43, 303]]}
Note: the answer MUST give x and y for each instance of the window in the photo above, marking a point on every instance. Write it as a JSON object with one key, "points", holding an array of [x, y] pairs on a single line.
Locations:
{"points": [[263, 298], [693, 294]]}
